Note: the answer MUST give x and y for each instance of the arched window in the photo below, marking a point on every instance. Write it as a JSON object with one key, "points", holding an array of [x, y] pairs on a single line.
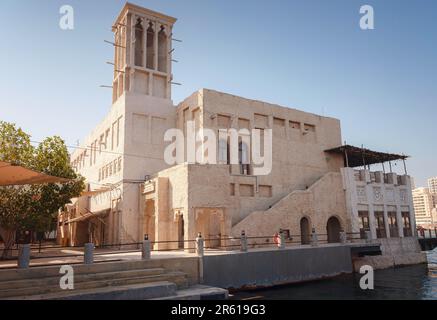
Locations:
{"points": [[162, 50], [139, 50], [150, 47]]}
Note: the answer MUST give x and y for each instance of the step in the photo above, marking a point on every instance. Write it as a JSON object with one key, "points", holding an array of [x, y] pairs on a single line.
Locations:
{"points": [[54, 280], [179, 278], [38, 272], [198, 292], [123, 292]]}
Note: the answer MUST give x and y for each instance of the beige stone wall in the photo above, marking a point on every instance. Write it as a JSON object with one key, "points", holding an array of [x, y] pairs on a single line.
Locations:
{"points": [[203, 192], [103, 147], [172, 200], [298, 154], [299, 141], [134, 135], [209, 188]]}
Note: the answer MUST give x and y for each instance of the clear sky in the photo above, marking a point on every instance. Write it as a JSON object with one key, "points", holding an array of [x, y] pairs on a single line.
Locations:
{"points": [[307, 54]]}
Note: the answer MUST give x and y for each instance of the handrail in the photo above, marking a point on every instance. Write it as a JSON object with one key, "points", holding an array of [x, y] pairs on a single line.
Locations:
{"points": [[224, 242]]}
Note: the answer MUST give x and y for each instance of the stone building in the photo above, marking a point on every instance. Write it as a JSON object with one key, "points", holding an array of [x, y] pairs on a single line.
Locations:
{"points": [[133, 191]]}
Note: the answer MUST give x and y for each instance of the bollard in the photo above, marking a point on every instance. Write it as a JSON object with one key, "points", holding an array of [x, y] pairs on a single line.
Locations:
{"points": [[24, 256], [343, 237], [146, 248], [368, 237], [199, 245], [243, 241], [88, 257], [430, 233], [281, 244], [314, 238]]}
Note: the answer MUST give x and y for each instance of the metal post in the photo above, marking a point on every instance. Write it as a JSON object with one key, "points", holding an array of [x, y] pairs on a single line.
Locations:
{"points": [[24, 256], [243, 241], [199, 245], [314, 238], [343, 237], [281, 244], [146, 248], [200, 254], [430, 233], [88, 257], [362, 155], [346, 157]]}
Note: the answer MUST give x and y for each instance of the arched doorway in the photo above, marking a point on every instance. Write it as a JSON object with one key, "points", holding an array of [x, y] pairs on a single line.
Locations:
{"points": [[333, 228], [210, 222], [304, 230]]}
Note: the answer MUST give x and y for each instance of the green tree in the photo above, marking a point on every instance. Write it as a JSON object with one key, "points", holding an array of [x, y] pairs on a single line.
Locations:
{"points": [[51, 157], [15, 147], [34, 207]]}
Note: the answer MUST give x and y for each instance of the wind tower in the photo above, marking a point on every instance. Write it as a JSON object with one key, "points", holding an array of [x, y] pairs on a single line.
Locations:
{"points": [[143, 52], [142, 107]]}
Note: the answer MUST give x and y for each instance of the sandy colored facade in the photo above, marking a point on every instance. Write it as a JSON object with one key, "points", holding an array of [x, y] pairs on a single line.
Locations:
{"points": [[432, 184], [133, 191]]}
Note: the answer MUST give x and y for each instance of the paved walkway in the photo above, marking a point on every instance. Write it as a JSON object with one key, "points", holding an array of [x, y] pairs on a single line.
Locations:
{"points": [[59, 256], [75, 256]]}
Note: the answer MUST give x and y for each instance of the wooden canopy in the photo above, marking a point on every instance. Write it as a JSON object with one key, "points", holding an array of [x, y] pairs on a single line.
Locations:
{"points": [[88, 215], [356, 156], [14, 175]]}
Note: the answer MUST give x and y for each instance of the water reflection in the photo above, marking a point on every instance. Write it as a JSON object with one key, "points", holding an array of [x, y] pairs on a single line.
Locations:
{"points": [[412, 282]]}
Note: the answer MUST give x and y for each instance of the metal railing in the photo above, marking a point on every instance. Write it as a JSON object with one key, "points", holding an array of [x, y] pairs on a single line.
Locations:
{"points": [[427, 233], [89, 251]]}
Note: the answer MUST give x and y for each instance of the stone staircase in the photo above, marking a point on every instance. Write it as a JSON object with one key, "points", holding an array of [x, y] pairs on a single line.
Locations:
{"points": [[103, 281], [321, 195]]}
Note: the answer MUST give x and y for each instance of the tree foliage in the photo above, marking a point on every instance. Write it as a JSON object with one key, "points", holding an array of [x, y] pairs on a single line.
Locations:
{"points": [[34, 207]]}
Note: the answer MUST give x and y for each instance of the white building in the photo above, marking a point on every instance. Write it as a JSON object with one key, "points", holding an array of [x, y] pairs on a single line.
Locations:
{"points": [[380, 203], [432, 185], [423, 207]]}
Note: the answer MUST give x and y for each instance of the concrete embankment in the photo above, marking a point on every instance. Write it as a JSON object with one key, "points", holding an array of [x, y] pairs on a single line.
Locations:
{"points": [[274, 267], [264, 268], [395, 252]]}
